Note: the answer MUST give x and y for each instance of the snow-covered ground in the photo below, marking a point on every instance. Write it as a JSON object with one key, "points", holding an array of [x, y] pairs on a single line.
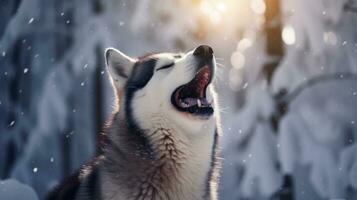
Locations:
{"points": [[12, 189]]}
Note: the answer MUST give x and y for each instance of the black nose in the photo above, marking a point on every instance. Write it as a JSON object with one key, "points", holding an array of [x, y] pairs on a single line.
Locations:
{"points": [[203, 51]]}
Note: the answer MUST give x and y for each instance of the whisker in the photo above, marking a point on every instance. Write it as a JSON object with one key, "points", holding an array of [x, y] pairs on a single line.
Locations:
{"points": [[219, 75], [220, 65], [223, 110]]}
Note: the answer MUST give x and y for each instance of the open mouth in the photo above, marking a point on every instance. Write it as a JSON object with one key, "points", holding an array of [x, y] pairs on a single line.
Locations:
{"points": [[191, 97]]}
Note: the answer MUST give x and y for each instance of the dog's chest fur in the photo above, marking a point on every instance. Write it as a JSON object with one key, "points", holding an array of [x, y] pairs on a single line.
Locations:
{"points": [[173, 166]]}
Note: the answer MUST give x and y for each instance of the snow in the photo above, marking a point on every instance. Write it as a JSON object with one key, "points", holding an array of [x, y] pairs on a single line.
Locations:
{"points": [[315, 139], [12, 123], [348, 164], [31, 20], [63, 51], [317, 131], [11, 189], [50, 124], [260, 168]]}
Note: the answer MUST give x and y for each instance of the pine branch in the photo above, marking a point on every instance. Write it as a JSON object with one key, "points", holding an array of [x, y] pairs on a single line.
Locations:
{"points": [[317, 80]]}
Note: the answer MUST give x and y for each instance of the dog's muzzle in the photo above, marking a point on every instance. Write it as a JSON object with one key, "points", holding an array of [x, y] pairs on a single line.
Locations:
{"points": [[191, 97]]}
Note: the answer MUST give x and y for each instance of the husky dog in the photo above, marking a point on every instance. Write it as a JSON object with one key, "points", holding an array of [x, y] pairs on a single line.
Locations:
{"points": [[161, 142]]}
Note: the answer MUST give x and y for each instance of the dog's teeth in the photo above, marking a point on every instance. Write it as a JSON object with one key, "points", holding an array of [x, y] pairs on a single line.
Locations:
{"points": [[183, 104], [199, 102]]}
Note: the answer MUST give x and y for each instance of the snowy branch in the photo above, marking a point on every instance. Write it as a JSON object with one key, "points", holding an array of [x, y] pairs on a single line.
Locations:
{"points": [[316, 80]]}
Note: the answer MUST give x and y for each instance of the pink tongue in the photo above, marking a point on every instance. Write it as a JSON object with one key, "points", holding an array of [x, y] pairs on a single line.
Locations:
{"points": [[202, 79], [196, 87]]}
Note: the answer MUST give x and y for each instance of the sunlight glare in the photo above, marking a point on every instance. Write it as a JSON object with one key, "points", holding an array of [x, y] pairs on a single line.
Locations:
{"points": [[205, 7], [214, 10], [221, 6], [215, 17], [258, 6]]}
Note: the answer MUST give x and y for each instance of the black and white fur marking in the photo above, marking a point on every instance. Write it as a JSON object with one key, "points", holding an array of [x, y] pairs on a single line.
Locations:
{"points": [[153, 149]]}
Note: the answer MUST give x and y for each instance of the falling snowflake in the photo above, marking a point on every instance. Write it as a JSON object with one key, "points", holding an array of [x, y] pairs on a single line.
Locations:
{"points": [[245, 86], [31, 20], [12, 123], [26, 70], [35, 169]]}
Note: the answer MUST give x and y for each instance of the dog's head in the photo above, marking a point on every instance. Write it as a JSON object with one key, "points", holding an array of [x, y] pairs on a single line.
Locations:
{"points": [[175, 88]]}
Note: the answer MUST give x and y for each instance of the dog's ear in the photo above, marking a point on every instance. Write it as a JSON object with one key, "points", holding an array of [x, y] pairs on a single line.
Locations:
{"points": [[119, 67]]}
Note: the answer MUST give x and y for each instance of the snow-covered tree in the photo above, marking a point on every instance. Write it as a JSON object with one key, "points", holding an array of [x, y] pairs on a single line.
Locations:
{"points": [[289, 122], [311, 98], [54, 91]]}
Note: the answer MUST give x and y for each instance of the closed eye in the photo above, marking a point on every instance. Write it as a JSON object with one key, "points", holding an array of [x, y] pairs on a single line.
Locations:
{"points": [[165, 66]]}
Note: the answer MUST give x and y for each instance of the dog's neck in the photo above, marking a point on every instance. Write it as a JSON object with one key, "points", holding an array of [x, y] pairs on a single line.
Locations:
{"points": [[158, 163]]}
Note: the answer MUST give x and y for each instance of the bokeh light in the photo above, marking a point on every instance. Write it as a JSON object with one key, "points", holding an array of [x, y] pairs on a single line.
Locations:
{"points": [[330, 38], [244, 44], [288, 35], [238, 60]]}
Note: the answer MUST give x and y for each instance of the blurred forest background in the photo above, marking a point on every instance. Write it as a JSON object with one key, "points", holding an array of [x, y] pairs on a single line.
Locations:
{"points": [[288, 88]]}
